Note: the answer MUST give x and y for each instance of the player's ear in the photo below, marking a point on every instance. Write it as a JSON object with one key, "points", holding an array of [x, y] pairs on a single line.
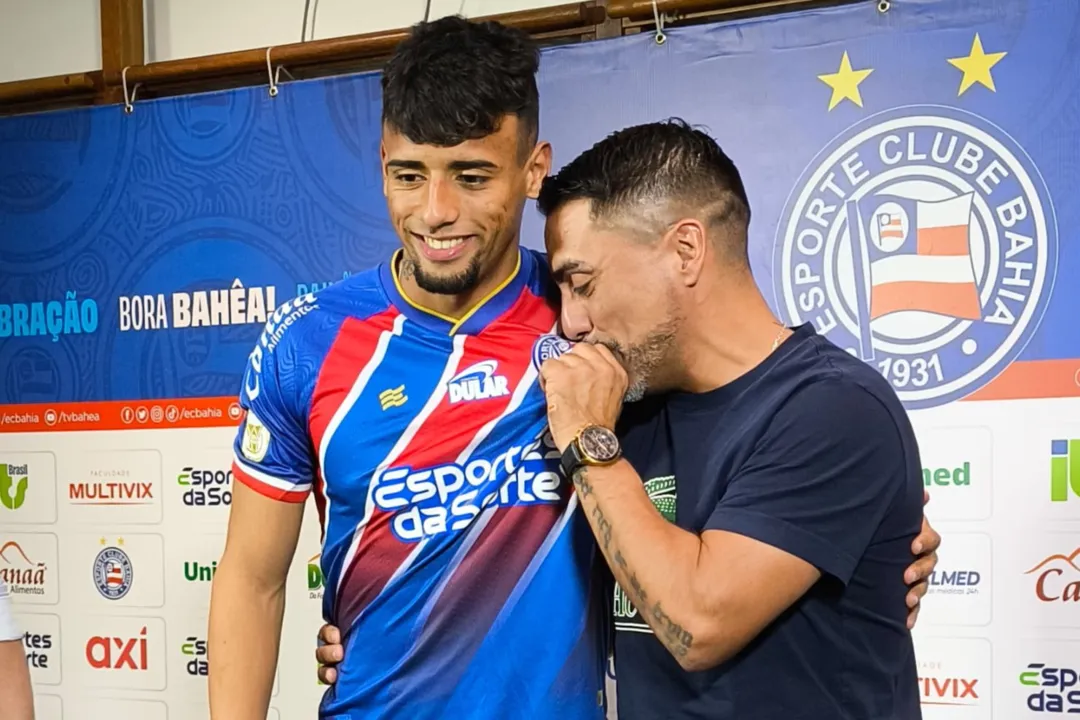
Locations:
{"points": [[537, 168]]}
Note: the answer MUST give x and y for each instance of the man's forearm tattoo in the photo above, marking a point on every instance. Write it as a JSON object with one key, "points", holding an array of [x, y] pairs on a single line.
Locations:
{"points": [[671, 633], [677, 640], [581, 482]]}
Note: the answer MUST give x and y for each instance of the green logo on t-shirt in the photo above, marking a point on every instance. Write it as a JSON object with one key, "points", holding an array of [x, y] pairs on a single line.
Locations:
{"points": [[662, 492]]}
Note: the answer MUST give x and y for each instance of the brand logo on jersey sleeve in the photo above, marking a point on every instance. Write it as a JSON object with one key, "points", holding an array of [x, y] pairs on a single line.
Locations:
{"points": [[278, 323], [478, 382], [922, 241]]}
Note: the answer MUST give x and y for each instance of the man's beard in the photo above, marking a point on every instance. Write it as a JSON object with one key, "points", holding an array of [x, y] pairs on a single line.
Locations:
{"points": [[457, 284], [641, 360]]}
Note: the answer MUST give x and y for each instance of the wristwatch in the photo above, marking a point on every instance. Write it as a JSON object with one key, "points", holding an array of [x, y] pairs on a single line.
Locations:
{"points": [[593, 445]]}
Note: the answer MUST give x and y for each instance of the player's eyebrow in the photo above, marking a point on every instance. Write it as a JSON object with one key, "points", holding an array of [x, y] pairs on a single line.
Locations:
{"points": [[569, 267], [459, 165], [456, 165], [406, 164]]}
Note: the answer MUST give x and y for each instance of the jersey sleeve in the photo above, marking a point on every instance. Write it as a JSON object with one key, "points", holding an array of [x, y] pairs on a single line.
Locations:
{"points": [[820, 480], [9, 629], [272, 448]]}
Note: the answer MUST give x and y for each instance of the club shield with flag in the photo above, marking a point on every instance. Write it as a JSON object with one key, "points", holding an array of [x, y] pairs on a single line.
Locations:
{"points": [[911, 256]]}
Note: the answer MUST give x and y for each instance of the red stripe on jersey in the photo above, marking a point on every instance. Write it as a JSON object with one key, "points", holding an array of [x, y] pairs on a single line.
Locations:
{"points": [[445, 434], [270, 491], [529, 310], [350, 353]]}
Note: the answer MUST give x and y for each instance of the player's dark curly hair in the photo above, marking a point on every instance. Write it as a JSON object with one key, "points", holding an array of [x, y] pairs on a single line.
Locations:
{"points": [[453, 80], [670, 164]]}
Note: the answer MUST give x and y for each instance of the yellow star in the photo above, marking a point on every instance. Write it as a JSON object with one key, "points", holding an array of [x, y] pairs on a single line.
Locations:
{"points": [[976, 66], [845, 83]]}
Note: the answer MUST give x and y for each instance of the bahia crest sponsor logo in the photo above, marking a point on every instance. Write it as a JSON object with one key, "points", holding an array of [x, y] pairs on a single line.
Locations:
{"points": [[427, 502], [21, 574], [113, 571], [478, 382], [1051, 689], [205, 488], [923, 241], [50, 318], [1057, 578], [236, 305]]}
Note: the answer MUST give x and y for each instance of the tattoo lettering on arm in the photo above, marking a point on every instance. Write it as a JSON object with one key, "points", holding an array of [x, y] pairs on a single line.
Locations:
{"points": [[581, 482], [671, 633], [603, 527]]}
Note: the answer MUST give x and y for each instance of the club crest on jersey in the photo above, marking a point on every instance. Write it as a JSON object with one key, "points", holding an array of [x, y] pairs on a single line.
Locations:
{"points": [[923, 241], [547, 347], [478, 382]]}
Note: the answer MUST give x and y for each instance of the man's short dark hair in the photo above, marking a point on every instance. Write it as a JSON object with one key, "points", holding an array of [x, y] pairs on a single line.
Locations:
{"points": [[633, 172], [454, 80]]}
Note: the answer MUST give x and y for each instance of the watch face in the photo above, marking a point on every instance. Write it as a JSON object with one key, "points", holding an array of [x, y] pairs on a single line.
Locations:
{"points": [[599, 443]]}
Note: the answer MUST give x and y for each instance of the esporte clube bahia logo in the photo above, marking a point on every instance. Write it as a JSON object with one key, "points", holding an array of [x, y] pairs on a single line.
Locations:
{"points": [[923, 241]]}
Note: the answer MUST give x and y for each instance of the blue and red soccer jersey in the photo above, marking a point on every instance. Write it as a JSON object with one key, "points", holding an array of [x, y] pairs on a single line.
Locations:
{"points": [[454, 559]]}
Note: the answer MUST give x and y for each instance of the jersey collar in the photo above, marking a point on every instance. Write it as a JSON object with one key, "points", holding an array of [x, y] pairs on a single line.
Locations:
{"points": [[490, 308]]}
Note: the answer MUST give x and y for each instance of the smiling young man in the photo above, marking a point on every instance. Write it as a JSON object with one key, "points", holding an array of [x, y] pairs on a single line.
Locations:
{"points": [[773, 589], [405, 399]]}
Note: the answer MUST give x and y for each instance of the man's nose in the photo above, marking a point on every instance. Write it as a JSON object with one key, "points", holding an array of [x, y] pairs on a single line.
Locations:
{"points": [[441, 206], [575, 321]]}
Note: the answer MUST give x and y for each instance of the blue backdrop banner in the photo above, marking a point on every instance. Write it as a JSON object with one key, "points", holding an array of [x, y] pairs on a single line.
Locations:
{"points": [[142, 253]]}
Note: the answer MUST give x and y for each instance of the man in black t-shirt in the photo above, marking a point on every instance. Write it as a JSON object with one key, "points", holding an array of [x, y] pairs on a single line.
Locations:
{"points": [[758, 505]]}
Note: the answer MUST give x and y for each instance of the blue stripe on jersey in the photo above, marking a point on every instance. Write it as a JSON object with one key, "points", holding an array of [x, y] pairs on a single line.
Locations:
{"points": [[359, 445], [572, 548], [548, 631], [399, 618], [428, 673]]}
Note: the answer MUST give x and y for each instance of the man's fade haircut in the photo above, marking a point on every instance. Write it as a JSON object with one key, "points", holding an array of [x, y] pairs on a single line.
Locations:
{"points": [[640, 175], [454, 80]]}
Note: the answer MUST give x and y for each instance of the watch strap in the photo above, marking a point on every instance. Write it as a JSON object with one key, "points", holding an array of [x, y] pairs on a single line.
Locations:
{"points": [[571, 459]]}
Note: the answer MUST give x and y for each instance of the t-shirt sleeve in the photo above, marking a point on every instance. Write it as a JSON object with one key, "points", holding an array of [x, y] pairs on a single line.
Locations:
{"points": [[272, 450], [820, 479]]}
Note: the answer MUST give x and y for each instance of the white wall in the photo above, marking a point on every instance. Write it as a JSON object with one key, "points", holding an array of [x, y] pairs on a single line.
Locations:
{"points": [[39, 38]]}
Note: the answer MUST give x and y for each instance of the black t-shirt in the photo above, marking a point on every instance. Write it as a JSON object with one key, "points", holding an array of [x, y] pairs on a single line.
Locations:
{"points": [[810, 452]]}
